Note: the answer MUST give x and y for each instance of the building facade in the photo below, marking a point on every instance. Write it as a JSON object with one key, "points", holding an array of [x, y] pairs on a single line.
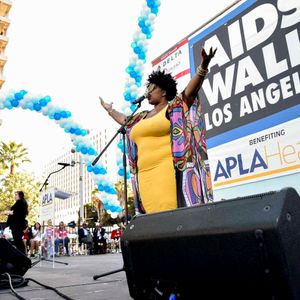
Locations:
{"points": [[5, 6], [76, 180]]}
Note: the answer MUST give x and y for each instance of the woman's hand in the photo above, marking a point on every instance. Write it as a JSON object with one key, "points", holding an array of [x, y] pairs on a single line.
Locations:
{"points": [[117, 116], [107, 106], [6, 212], [206, 58]]}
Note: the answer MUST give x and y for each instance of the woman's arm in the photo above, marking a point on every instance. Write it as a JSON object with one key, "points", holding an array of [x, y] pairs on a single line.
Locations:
{"points": [[117, 116], [195, 83]]}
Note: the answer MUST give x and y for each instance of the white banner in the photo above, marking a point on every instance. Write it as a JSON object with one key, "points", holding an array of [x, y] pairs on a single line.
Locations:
{"points": [[263, 155], [47, 205], [176, 62]]}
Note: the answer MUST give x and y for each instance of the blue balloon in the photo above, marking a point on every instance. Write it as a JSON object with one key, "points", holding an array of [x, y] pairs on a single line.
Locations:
{"points": [[142, 55], [145, 30], [101, 187], [19, 96], [132, 74], [154, 10], [137, 50], [77, 131], [132, 107], [63, 114], [14, 103], [37, 107], [57, 116], [103, 171], [121, 172], [72, 130], [96, 170], [90, 169], [91, 151], [47, 98], [127, 97], [113, 191], [84, 150], [119, 209], [23, 92], [43, 102], [141, 23]]}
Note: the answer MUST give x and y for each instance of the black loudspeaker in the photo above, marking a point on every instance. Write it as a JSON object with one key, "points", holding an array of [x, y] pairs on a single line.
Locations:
{"points": [[243, 248], [12, 260]]}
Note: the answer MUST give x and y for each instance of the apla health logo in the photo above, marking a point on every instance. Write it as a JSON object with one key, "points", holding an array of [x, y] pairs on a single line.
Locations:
{"points": [[233, 164]]}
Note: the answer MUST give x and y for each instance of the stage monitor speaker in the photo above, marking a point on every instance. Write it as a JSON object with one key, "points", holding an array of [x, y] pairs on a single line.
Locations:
{"points": [[12, 260], [243, 248]]}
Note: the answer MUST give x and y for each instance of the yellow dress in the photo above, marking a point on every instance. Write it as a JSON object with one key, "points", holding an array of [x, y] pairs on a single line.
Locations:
{"points": [[156, 173]]}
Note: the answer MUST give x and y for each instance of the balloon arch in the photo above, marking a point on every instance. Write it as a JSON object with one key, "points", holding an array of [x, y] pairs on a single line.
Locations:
{"points": [[79, 136]]}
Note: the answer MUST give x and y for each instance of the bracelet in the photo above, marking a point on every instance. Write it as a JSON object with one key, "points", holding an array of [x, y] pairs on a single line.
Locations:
{"points": [[201, 72]]}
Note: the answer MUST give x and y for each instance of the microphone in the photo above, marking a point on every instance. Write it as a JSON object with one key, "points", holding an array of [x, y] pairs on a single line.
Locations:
{"points": [[64, 164], [140, 99]]}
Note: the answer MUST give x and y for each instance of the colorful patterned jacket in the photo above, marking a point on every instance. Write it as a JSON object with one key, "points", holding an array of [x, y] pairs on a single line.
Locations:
{"points": [[188, 150]]}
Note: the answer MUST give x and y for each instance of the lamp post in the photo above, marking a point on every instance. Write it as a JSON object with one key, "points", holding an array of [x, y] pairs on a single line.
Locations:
{"points": [[81, 163], [81, 212]]}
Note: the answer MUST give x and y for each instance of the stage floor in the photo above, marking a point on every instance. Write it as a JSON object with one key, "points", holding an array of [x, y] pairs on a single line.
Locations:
{"points": [[75, 280]]}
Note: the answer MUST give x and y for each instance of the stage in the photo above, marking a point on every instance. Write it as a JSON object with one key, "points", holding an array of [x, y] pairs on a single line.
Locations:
{"points": [[75, 279]]}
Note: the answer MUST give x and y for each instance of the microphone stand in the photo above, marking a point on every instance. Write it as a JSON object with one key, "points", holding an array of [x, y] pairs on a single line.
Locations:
{"points": [[46, 181], [121, 130], [45, 185]]}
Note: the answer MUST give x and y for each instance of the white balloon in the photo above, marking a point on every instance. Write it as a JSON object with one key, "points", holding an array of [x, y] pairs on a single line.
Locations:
{"points": [[151, 16], [114, 215], [128, 111]]}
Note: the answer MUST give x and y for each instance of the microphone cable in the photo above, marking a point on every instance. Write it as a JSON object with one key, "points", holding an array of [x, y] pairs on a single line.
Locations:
{"points": [[15, 281]]}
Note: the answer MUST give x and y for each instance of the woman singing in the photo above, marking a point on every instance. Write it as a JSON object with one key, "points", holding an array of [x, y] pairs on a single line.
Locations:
{"points": [[166, 147]]}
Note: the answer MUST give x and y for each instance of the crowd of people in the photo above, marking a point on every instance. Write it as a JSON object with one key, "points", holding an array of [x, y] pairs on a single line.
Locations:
{"points": [[51, 240]]}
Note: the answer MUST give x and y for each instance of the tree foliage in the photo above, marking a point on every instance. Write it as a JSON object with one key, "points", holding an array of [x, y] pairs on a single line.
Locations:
{"points": [[12, 156]]}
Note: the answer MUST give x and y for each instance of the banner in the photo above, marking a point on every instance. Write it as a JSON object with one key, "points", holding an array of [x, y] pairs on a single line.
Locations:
{"points": [[251, 96], [176, 62], [47, 205]]}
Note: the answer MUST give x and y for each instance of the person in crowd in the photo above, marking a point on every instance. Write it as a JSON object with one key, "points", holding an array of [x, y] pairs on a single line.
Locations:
{"points": [[7, 234], [48, 239], [27, 236], [85, 237], [2, 227], [17, 219], [124, 219], [62, 238], [35, 241], [115, 237], [166, 147], [99, 239]]}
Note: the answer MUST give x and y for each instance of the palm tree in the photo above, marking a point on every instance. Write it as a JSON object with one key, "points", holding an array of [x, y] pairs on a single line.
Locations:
{"points": [[119, 186], [98, 204], [12, 155]]}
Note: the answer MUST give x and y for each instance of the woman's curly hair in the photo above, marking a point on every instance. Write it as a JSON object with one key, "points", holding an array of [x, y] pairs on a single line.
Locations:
{"points": [[165, 82]]}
